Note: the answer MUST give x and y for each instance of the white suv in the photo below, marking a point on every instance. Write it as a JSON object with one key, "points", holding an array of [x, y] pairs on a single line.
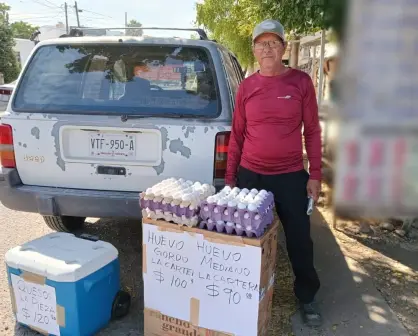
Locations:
{"points": [[93, 121]]}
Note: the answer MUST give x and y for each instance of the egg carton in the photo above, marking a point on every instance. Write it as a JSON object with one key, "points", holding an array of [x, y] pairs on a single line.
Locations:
{"points": [[177, 209], [250, 229], [234, 214], [170, 217]]}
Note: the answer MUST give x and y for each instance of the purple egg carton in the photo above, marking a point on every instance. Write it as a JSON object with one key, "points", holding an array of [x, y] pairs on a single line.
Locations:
{"points": [[242, 217], [167, 207], [237, 229]]}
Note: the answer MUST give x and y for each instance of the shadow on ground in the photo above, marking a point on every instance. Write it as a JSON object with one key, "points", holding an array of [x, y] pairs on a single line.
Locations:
{"points": [[406, 254], [350, 303]]}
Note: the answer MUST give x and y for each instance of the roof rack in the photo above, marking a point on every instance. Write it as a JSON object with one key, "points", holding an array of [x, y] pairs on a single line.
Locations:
{"points": [[78, 32]]}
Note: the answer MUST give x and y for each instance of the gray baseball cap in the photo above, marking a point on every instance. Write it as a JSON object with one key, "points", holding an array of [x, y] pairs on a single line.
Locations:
{"points": [[269, 26]]}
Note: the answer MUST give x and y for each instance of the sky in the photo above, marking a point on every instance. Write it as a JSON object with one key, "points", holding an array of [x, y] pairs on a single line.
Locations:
{"points": [[105, 13]]}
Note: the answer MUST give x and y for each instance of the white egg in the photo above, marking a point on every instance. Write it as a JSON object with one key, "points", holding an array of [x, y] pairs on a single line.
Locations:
{"points": [[249, 198], [181, 180], [242, 206], [148, 191], [254, 191], [222, 201], [187, 197], [227, 189], [178, 195], [258, 198], [252, 207], [245, 191], [232, 203]]}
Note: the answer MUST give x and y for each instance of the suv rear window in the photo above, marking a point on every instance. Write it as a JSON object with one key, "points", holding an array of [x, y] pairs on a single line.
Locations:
{"points": [[120, 79]]}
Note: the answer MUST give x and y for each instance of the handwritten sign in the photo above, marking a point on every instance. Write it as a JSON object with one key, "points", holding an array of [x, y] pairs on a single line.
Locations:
{"points": [[224, 279], [35, 305]]}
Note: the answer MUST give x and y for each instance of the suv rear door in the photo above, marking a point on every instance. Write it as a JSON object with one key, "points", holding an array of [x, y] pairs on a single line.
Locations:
{"points": [[118, 116]]}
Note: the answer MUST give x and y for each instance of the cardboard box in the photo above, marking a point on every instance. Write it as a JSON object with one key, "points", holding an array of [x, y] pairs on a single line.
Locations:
{"points": [[203, 283]]}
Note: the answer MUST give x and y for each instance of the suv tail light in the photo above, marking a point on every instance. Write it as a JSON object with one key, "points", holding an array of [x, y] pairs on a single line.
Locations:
{"points": [[221, 154], [7, 153]]}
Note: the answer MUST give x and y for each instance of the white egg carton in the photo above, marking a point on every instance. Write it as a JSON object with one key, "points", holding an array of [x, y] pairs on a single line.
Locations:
{"points": [[176, 197]]}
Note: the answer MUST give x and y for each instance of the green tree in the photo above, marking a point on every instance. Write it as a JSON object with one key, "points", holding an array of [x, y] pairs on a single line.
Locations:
{"points": [[134, 32], [231, 21], [22, 29], [9, 65]]}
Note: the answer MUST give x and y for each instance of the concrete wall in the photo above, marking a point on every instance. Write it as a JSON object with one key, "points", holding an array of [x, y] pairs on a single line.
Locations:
{"points": [[51, 32], [23, 48]]}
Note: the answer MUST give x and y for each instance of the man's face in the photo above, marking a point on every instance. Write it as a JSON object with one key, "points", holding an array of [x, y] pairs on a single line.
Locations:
{"points": [[269, 50], [139, 70]]}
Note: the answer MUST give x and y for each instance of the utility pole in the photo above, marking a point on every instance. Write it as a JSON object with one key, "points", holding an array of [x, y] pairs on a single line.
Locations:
{"points": [[76, 13], [66, 17], [126, 23]]}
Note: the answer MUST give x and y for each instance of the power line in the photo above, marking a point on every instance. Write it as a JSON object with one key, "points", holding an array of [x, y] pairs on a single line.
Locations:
{"points": [[53, 4], [92, 17], [46, 5], [81, 10], [88, 11]]}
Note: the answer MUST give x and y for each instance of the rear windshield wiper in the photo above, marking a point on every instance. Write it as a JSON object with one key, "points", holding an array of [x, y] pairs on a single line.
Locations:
{"points": [[126, 117]]}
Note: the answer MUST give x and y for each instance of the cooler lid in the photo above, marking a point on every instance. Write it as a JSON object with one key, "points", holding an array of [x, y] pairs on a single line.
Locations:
{"points": [[61, 256]]}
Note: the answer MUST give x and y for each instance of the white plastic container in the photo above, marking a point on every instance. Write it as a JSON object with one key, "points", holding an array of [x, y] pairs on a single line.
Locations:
{"points": [[64, 285]]}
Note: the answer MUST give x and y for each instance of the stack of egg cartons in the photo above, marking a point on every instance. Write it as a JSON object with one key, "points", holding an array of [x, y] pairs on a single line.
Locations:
{"points": [[175, 200], [243, 211]]}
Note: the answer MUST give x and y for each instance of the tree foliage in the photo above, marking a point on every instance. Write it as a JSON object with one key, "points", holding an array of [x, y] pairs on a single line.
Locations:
{"points": [[135, 32], [231, 21], [9, 65], [22, 29]]}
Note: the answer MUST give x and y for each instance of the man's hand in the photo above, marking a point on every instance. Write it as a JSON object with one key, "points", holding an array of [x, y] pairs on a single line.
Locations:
{"points": [[314, 188]]}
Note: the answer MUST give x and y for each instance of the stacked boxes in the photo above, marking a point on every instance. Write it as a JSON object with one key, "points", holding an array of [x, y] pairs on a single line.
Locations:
{"points": [[200, 282]]}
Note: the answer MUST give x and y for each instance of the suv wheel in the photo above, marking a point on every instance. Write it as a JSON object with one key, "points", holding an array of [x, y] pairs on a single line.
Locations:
{"points": [[64, 223]]}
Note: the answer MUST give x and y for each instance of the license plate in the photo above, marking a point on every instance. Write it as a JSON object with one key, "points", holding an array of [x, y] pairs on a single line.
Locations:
{"points": [[108, 145]]}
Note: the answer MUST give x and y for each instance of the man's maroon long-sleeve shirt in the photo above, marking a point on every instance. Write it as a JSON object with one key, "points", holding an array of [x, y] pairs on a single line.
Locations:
{"points": [[266, 135]]}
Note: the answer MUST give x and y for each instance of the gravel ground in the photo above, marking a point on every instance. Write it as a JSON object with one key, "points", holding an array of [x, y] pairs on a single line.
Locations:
{"points": [[19, 227]]}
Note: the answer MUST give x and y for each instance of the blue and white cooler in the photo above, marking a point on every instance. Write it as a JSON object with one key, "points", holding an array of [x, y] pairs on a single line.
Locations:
{"points": [[61, 284]]}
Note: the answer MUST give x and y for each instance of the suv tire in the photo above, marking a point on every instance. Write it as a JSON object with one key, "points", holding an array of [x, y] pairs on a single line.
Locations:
{"points": [[64, 223]]}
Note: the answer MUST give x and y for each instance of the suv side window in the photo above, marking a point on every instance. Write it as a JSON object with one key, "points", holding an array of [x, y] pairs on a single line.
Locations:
{"points": [[233, 80], [238, 69]]}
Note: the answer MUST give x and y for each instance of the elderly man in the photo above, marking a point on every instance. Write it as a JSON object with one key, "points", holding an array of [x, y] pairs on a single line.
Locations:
{"points": [[265, 151]]}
